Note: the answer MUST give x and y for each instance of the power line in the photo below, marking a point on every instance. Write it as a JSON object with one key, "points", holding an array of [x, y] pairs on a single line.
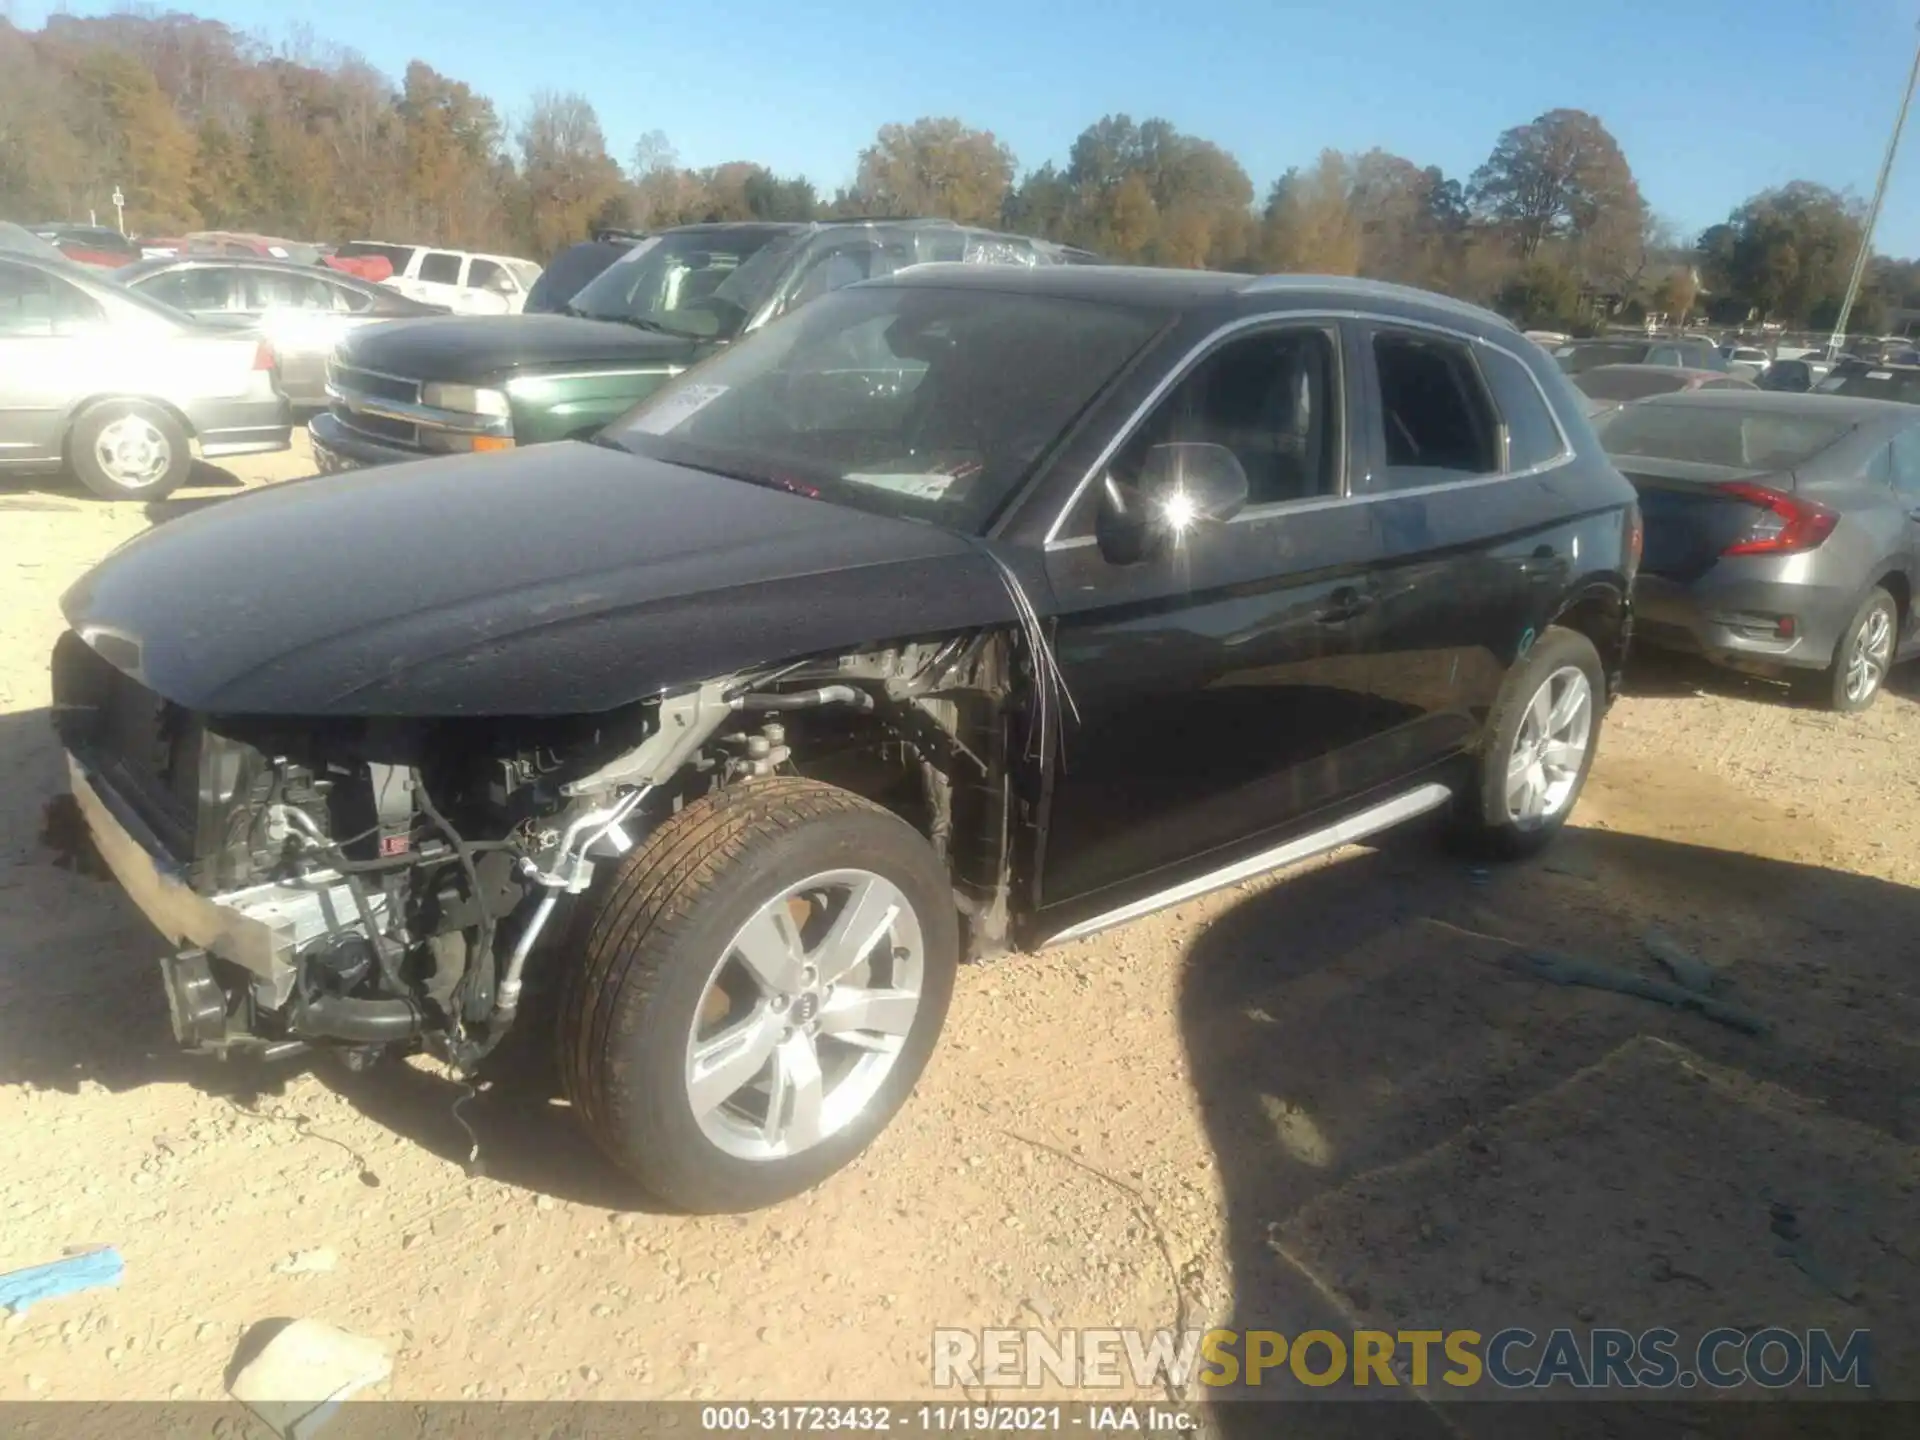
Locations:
{"points": [[1839, 336]]}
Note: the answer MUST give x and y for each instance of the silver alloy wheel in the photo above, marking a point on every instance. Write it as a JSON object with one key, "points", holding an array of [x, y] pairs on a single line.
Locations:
{"points": [[1872, 650], [133, 452], [805, 1015], [1551, 746]]}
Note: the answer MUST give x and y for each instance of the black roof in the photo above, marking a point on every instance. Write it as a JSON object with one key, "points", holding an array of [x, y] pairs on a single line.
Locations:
{"points": [[1139, 284]]}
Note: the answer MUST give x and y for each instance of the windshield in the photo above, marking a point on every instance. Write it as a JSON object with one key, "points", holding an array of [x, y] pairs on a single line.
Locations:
{"points": [[910, 401], [1717, 435], [696, 283], [1574, 359], [1630, 384], [1873, 383]]}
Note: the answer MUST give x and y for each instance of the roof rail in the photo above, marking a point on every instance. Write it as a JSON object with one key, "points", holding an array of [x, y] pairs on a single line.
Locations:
{"points": [[1381, 289]]}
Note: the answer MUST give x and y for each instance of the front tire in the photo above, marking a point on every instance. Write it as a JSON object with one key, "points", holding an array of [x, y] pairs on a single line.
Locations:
{"points": [[129, 450], [1861, 660], [1541, 740], [754, 995]]}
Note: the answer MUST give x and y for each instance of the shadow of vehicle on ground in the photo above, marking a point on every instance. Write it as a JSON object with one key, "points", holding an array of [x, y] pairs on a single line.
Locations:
{"points": [[1672, 674], [1416, 1131]]}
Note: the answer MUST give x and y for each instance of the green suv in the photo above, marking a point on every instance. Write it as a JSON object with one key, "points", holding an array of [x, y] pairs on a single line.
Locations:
{"points": [[451, 385]]}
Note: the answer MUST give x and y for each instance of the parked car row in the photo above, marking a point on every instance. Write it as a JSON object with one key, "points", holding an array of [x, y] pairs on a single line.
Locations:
{"points": [[121, 388], [1783, 529], [663, 303]]}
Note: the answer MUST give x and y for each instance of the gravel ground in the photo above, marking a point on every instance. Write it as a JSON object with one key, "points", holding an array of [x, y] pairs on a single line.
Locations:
{"points": [[1329, 1098]]}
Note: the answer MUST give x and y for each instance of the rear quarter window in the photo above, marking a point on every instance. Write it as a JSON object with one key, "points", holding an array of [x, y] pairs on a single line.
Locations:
{"points": [[1533, 435]]}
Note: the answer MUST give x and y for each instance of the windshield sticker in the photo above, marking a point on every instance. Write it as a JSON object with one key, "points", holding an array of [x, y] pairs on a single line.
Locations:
{"points": [[677, 407], [1880, 374], [916, 486]]}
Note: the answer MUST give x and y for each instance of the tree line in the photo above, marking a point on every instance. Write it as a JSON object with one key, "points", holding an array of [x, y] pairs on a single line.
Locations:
{"points": [[202, 126]]}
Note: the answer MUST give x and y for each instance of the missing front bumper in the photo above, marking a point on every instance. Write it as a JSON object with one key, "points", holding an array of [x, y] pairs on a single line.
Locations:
{"points": [[261, 928]]}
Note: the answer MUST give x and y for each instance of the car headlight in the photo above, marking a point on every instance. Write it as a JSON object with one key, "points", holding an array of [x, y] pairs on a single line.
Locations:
{"points": [[468, 400]]}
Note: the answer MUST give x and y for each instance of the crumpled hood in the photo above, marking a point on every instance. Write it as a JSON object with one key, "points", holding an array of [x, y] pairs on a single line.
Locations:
{"points": [[561, 579], [474, 348]]}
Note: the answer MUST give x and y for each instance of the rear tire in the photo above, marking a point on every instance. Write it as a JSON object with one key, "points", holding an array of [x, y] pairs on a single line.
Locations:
{"points": [[1861, 660], [1541, 739], [714, 1036], [129, 450]]}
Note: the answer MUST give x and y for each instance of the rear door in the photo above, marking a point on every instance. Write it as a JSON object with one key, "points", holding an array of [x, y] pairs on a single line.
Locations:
{"points": [[1471, 550], [51, 337]]}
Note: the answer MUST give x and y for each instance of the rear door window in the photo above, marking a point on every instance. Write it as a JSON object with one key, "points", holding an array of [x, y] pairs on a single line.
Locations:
{"points": [[438, 267], [1437, 422], [483, 275], [197, 288], [278, 290]]}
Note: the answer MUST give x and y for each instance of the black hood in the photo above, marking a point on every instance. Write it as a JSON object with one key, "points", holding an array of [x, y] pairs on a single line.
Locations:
{"points": [[473, 348], [562, 579]]}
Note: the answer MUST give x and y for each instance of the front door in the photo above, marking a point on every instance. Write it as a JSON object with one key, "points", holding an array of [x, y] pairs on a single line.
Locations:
{"points": [[1223, 690]]}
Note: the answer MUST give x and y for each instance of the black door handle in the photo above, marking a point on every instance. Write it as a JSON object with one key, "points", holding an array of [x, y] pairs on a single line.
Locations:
{"points": [[1344, 604]]}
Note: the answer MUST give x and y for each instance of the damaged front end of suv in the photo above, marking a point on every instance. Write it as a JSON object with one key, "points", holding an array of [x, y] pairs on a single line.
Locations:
{"points": [[384, 882]]}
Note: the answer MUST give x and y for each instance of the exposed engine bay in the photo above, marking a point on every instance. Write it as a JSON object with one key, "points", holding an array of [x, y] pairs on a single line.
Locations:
{"points": [[372, 884]]}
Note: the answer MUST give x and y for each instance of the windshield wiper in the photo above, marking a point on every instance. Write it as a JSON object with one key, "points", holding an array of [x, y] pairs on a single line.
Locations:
{"points": [[641, 322]]}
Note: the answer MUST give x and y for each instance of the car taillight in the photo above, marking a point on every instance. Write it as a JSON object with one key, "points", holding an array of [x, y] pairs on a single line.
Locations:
{"points": [[1785, 524], [263, 356]]}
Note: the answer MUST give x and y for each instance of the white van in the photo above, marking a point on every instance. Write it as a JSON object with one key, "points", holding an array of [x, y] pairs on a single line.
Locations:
{"points": [[465, 283]]}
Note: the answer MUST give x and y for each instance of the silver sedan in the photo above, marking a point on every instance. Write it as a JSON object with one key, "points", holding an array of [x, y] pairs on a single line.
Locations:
{"points": [[120, 388], [303, 310]]}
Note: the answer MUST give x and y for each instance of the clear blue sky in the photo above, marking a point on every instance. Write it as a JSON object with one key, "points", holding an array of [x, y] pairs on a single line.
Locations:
{"points": [[1711, 99]]}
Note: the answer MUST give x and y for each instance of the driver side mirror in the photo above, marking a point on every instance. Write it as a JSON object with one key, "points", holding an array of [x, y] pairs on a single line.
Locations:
{"points": [[1182, 487]]}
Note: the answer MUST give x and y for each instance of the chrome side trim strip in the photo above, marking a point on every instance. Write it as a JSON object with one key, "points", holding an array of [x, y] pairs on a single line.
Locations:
{"points": [[1280, 319], [522, 383], [427, 415], [1370, 821]]}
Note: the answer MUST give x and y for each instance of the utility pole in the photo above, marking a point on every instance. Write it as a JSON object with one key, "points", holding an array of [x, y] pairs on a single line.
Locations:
{"points": [[120, 209], [1839, 336]]}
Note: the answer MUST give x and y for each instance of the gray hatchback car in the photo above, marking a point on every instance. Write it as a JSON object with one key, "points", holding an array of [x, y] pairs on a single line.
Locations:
{"points": [[122, 389], [1782, 532]]}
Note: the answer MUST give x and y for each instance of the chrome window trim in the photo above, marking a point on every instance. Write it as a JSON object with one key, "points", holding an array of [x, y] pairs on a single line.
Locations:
{"points": [[1207, 344]]}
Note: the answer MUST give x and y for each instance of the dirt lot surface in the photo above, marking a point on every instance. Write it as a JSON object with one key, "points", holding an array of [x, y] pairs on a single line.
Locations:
{"points": [[1338, 1097]]}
